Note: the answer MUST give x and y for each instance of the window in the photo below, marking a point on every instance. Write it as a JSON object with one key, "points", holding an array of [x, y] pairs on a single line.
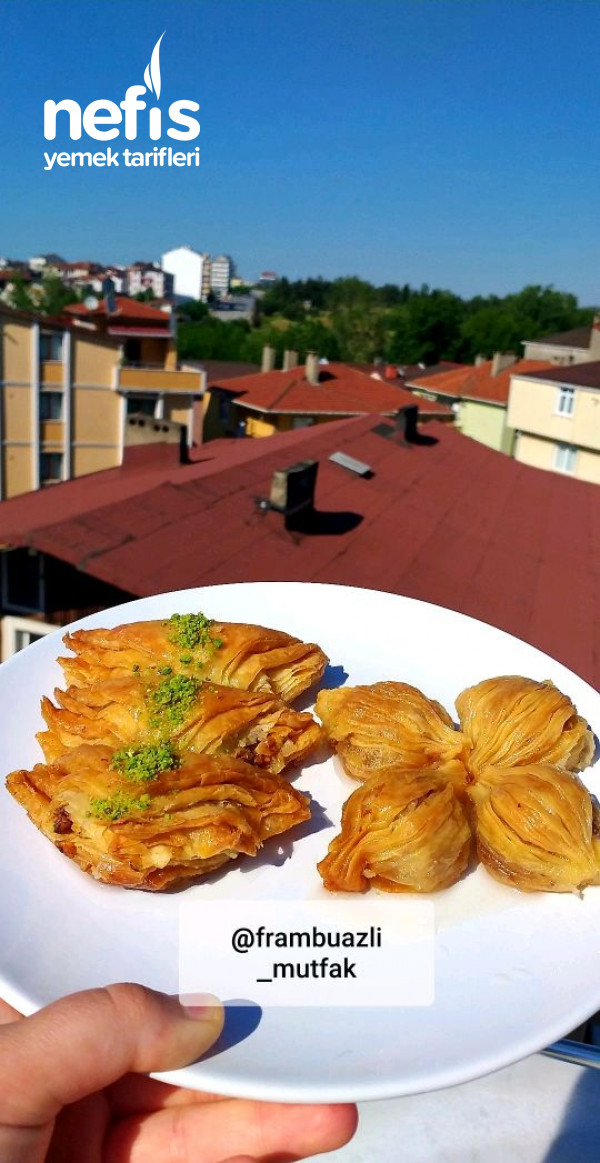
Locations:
{"points": [[51, 343], [51, 406], [51, 467], [565, 401], [144, 404], [22, 577], [17, 633], [565, 457], [303, 422]]}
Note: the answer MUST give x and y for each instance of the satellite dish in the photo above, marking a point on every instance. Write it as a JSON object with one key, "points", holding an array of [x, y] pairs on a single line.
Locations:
{"points": [[91, 302]]}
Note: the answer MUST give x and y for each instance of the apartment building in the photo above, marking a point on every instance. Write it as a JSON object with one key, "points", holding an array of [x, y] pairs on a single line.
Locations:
{"points": [[142, 276], [556, 418], [73, 392], [566, 347], [190, 270], [221, 269]]}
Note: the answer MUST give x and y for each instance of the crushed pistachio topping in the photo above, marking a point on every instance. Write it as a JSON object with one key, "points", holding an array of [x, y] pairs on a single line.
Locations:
{"points": [[173, 698], [165, 670], [191, 630], [117, 806], [141, 764]]}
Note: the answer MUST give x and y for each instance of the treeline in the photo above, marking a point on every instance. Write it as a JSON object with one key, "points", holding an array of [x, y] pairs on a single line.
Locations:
{"points": [[349, 319]]}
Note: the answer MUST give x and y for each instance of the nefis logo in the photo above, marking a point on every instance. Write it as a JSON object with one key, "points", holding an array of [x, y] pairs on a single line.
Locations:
{"points": [[105, 120]]}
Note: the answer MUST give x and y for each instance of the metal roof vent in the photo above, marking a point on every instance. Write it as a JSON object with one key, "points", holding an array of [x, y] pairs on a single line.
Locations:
{"points": [[357, 466]]}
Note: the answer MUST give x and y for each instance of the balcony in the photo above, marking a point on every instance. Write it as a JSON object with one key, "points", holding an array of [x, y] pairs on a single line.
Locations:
{"points": [[52, 432], [51, 372], [154, 378]]}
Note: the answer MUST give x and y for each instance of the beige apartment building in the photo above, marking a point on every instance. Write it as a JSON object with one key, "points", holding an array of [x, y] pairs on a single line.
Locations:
{"points": [[556, 417], [73, 393], [566, 347]]}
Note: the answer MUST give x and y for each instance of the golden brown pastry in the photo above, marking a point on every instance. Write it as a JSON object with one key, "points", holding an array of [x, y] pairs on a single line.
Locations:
{"points": [[511, 720], [194, 715], [387, 724], [231, 653], [161, 821], [536, 828], [400, 834]]}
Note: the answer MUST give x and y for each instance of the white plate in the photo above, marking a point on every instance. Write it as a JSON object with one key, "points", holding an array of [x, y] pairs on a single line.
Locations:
{"points": [[514, 972]]}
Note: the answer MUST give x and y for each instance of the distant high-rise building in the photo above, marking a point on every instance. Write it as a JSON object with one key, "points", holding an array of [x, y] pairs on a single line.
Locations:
{"points": [[188, 269], [220, 274]]}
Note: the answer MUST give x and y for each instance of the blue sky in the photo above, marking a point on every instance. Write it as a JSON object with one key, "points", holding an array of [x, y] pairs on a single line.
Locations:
{"points": [[449, 142]]}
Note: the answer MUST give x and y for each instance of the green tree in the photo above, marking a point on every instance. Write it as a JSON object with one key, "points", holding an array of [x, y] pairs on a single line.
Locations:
{"points": [[19, 296], [55, 296], [426, 328]]}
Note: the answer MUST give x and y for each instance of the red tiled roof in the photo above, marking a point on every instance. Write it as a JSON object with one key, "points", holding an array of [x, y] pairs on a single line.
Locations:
{"points": [[453, 523], [342, 390], [478, 383], [125, 308]]}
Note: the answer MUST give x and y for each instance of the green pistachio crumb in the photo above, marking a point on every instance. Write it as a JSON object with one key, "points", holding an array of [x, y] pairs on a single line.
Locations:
{"points": [[117, 806], [185, 659], [190, 630], [173, 698], [141, 764]]}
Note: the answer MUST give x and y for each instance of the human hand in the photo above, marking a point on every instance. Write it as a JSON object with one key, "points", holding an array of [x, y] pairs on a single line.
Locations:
{"points": [[72, 1089]]}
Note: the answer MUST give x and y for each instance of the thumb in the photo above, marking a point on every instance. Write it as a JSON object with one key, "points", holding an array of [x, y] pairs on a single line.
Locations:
{"points": [[83, 1042]]}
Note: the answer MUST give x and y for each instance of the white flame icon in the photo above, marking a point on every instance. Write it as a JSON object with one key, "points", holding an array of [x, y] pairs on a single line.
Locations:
{"points": [[152, 71]]}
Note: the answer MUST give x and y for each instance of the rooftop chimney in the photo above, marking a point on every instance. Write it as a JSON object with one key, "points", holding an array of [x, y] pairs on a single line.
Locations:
{"points": [[268, 358], [150, 442], [595, 338], [311, 369], [479, 360], [290, 360], [502, 360], [293, 491]]}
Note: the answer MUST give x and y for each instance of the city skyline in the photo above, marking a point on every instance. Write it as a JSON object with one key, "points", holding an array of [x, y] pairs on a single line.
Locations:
{"points": [[440, 143]]}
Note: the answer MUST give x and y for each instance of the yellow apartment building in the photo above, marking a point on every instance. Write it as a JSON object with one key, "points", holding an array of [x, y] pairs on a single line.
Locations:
{"points": [[73, 392], [556, 417]]}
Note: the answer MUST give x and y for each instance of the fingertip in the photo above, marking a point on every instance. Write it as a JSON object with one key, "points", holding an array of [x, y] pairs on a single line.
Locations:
{"points": [[334, 1124]]}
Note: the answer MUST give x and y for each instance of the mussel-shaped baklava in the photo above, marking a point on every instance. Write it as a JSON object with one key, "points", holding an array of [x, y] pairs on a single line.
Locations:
{"points": [[194, 715], [388, 724], [537, 828], [234, 654], [406, 833], [512, 720], [154, 818]]}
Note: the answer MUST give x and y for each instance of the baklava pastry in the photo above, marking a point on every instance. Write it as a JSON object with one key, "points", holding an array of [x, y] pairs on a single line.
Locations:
{"points": [[157, 822], [194, 715], [231, 653], [510, 721], [537, 828], [388, 724], [407, 834]]}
